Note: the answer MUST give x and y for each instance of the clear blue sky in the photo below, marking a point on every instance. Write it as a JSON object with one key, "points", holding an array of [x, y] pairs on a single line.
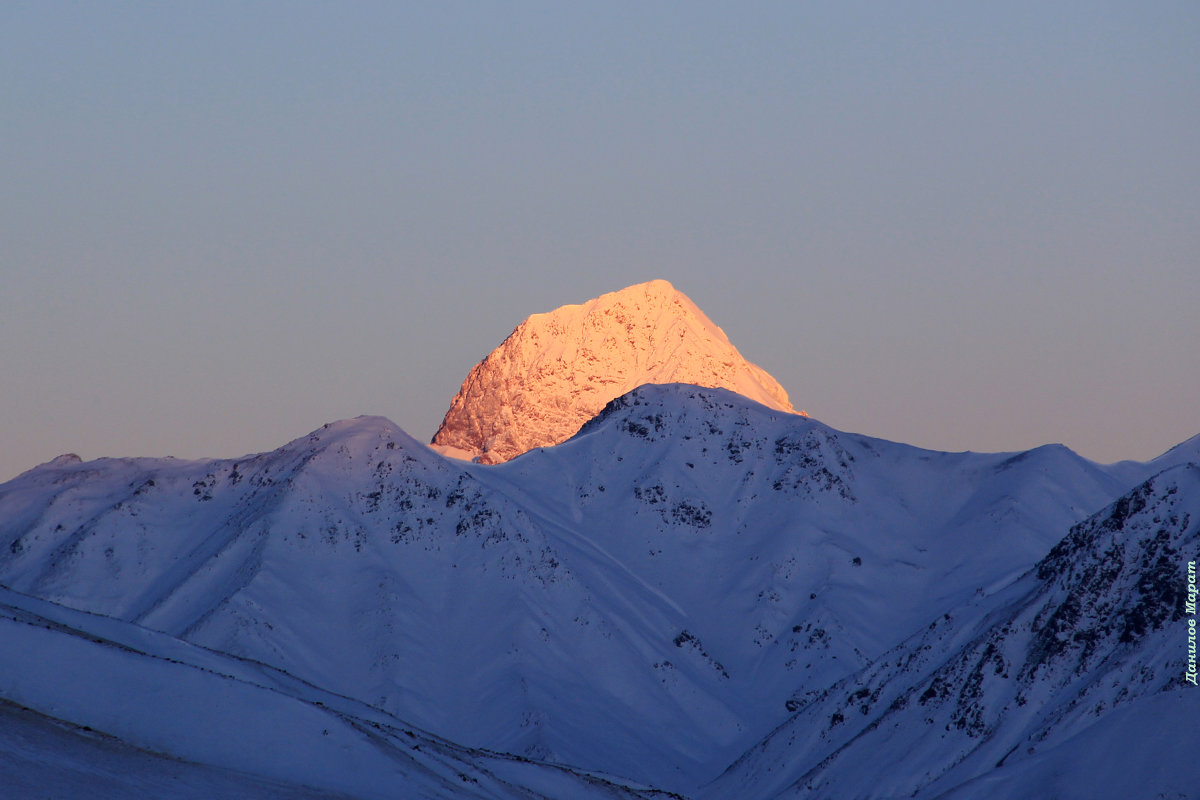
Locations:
{"points": [[960, 225]]}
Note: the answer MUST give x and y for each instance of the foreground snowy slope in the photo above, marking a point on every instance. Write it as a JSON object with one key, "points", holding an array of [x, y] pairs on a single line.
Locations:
{"points": [[648, 599], [1078, 663], [41, 757], [259, 732]]}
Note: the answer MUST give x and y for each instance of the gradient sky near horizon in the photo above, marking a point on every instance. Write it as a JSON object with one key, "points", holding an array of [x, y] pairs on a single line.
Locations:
{"points": [[958, 225]]}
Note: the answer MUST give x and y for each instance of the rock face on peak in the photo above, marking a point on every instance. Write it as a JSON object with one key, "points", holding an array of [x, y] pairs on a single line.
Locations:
{"points": [[559, 369]]}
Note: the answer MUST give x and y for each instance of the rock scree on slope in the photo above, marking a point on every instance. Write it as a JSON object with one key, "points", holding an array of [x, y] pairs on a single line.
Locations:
{"points": [[559, 369]]}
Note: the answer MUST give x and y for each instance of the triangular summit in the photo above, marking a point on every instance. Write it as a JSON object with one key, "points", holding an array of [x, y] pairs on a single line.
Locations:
{"points": [[559, 369]]}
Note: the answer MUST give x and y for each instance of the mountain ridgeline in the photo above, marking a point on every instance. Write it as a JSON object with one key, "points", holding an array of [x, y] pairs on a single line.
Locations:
{"points": [[647, 600], [694, 593]]}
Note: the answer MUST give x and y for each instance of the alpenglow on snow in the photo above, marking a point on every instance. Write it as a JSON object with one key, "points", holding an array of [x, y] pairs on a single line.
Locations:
{"points": [[558, 370]]}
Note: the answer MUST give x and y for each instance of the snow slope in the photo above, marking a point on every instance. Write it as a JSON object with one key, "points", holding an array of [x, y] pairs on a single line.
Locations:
{"points": [[646, 600], [557, 370], [257, 730], [1009, 696], [41, 757]]}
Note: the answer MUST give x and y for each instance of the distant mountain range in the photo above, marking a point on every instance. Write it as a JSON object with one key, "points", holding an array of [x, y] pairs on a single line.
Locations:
{"points": [[696, 595]]}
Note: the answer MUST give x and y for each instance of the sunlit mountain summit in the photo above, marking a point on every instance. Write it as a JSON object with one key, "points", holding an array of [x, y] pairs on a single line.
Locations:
{"points": [[557, 370]]}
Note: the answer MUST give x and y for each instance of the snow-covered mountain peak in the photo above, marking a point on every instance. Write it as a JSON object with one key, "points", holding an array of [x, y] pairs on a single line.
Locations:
{"points": [[682, 409], [558, 369], [364, 439], [58, 462], [363, 428]]}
